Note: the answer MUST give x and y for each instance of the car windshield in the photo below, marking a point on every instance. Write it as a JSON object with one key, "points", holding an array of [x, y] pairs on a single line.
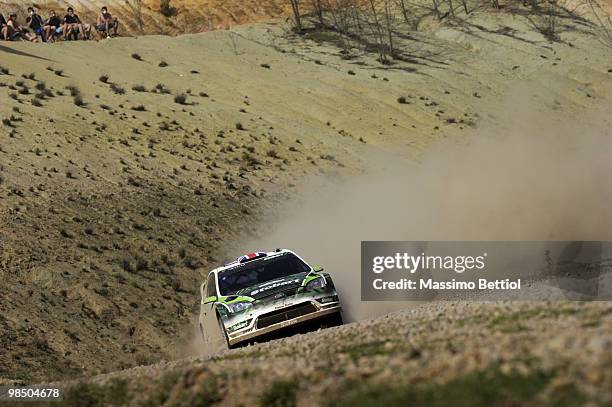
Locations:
{"points": [[260, 271]]}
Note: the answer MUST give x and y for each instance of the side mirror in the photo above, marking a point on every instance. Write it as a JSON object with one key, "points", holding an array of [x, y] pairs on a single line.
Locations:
{"points": [[316, 268]]}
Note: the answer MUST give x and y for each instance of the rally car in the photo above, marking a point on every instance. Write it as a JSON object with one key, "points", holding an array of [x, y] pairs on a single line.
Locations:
{"points": [[265, 293]]}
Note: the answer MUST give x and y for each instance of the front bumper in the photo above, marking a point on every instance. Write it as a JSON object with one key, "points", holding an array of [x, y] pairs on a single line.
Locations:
{"points": [[253, 331]]}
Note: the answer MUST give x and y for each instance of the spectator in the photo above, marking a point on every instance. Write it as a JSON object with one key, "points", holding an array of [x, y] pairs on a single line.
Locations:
{"points": [[53, 26], [35, 23], [3, 28], [73, 26], [15, 30], [106, 23]]}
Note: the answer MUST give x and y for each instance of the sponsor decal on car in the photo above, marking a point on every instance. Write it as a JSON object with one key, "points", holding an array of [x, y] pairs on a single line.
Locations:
{"points": [[272, 285]]}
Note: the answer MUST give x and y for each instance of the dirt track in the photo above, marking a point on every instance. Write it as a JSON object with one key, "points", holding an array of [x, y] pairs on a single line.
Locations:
{"points": [[477, 353]]}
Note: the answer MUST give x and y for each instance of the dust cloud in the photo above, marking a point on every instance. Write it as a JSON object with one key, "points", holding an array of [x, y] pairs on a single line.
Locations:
{"points": [[526, 173]]}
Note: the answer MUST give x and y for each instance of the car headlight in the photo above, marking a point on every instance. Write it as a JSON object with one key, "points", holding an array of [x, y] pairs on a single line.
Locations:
{"points": [[239, 306], [316, 284]]}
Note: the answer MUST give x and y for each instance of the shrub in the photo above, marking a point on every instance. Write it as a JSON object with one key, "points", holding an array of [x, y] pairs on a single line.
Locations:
{"points": [[161, 88], [74, 91], [78, 100], [162, 64], [117, 89], [103, 78], [402, 100], [281, 393], [139, 88], [166, 9], [181, 99], [137, 57]]}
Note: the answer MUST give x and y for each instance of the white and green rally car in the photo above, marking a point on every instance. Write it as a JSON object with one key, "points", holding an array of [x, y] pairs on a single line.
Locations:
{"points": [[263, 293]]}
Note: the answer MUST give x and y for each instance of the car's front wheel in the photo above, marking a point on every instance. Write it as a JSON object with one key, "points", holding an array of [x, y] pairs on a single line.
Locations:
{"points": [[224, 336], [332, 320]]}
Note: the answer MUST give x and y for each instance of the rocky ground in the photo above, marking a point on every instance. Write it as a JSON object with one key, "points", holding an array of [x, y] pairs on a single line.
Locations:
{"points": [[128, 166], [473, 353]]}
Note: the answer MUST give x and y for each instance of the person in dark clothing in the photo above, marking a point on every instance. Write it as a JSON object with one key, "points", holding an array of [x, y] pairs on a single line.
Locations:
{"points": [[53, 26], [73, 26], [35, 23]]}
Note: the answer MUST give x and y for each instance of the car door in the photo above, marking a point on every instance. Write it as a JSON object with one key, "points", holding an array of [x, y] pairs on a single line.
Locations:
{"points": [[209, 325]]}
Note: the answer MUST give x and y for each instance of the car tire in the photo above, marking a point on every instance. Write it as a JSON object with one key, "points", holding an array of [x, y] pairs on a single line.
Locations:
{"points": [[332, 320], [224, 336]]}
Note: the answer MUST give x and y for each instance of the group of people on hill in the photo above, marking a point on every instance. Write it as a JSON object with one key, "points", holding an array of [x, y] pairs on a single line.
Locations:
{"points": [[55, 28]]}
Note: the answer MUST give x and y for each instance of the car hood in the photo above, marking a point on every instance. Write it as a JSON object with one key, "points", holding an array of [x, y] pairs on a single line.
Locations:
{"points": [[285, 284]]}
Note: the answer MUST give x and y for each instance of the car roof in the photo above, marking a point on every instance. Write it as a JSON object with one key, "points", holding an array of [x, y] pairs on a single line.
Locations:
{"points": [[244, 259]]}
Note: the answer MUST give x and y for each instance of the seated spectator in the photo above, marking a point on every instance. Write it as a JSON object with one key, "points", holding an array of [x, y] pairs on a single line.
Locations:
{"points": [[3, 28], [35, 23], [53, 26], [15, 31], [73, 26], [106, 23]]}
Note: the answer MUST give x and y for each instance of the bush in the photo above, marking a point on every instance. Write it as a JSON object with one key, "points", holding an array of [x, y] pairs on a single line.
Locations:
{"points": [[74, 91], [166, 9], [402, 100], [181, 99], [78, 100], [161, 88], [281, 393], [117, 89]]}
